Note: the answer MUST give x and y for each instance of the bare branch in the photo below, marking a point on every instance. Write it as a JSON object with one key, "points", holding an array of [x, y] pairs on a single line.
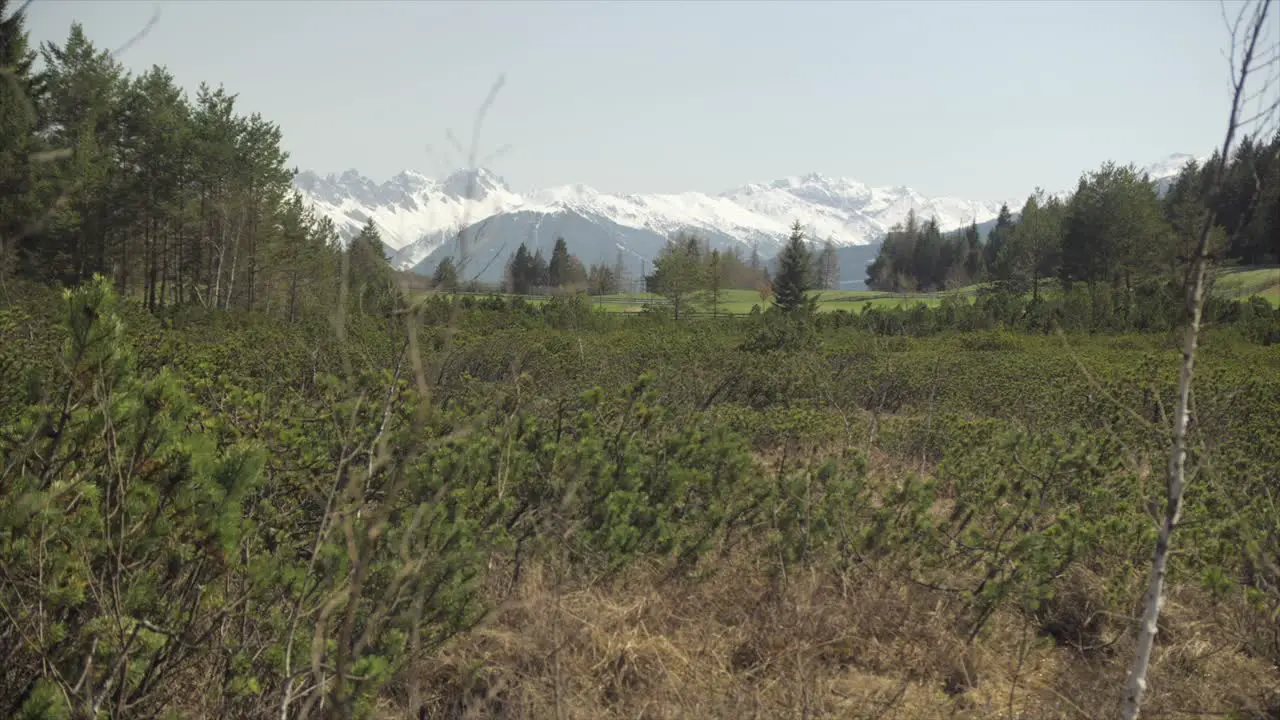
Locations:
{"points": [[138, 36], [1177, 471]]}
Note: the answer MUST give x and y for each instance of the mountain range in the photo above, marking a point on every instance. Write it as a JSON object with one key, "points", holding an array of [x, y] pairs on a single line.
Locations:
{"points": [[423, 220]]}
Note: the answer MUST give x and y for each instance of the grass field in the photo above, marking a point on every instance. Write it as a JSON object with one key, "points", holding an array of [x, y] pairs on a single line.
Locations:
{"points": [[1237, 283], [740, 302], [1249, 281]]}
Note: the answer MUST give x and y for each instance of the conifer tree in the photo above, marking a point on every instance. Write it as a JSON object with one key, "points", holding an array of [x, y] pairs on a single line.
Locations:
{"points": [[998, 237], [560, 269], [792, 280], [369, 274], [518, 271], [678, 272], [1035, 243], [619, 272], [538, 271], [715, 276], [18, 118], [445, 277], [972, 253]]}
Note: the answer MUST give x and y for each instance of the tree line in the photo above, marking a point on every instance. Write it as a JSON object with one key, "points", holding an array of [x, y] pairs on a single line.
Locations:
{"points": [[528, 272], [1115, 229], [176, 200], [688, 270]]}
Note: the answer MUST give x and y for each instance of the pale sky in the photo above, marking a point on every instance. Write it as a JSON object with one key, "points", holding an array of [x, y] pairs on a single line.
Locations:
{"points": [[969, 99]]}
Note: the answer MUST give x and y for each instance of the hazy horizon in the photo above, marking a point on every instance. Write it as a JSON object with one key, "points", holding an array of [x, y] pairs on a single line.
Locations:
{"points": [[972, 100]]}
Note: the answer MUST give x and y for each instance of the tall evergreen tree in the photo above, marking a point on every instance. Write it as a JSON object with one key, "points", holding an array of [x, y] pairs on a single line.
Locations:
{"points": [[19, 98], [539, 273], [972, 253], [1032, 252], [1115, 228], [678, 272], [445, 277], [85, 86], [560, 270], [369, 275], [998, 237], [715, 279], [520, 278], [619, 271], [792, 281]]}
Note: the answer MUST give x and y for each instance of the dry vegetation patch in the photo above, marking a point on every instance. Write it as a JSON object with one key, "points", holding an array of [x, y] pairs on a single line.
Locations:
{"points": [[863, 645]]}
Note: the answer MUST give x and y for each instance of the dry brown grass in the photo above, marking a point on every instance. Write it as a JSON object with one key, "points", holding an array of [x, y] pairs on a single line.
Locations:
{"points": [[866, 645]]}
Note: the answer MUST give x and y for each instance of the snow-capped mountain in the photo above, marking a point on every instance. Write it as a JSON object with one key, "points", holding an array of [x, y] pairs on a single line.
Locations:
{"points": [[421, 220], [1172, 165], [413, 213], [417, 215], [1166, 171]]}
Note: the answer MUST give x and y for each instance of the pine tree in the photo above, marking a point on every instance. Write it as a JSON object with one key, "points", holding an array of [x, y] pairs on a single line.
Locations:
{"points": [[972, 253], [715, 276], [445, 277], [369, 278], [928, 267], [792, 281], [520, 271], [619, 272], [538, 271], [1115, 228], [1037, 239], [998, 237], [678, 272], [19, 97], [560, 270], [84, 91]]}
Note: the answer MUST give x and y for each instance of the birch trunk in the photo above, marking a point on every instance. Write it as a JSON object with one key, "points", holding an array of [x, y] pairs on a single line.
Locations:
{"points": [[1177, 480]]}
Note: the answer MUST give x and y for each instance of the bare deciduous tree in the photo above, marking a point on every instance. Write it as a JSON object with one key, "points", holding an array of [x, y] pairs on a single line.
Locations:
{"points": [[1250, 54]]}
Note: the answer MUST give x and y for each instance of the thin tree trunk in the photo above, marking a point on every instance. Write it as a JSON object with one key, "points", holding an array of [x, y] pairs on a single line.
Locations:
{"points": [[1137, 683], [235, 259], [293, 293], [153, 262]]}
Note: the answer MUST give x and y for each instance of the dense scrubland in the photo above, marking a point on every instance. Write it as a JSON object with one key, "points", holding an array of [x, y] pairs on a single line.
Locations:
{"points": [[244, 472], [538, 511]]}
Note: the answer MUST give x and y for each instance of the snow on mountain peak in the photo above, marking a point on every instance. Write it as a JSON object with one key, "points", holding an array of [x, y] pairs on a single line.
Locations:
{"points": [[575, 195], [1172, 165], [412, 212], [474, 184], [410, 180], [416, 214]]}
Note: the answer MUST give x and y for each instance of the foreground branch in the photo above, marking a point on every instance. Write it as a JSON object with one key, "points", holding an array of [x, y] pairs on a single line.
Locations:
{"points": [[1137, 683]]}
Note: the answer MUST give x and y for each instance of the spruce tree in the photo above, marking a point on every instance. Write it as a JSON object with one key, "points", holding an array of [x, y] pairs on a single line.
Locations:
{"points": [[998, 237], [538, 271], [619, 272], [520, 271], [715, 275], [560, 270], [972, 253], [678, 272], [792, 280], [17, 135], [369, 275], [445, 277]]}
